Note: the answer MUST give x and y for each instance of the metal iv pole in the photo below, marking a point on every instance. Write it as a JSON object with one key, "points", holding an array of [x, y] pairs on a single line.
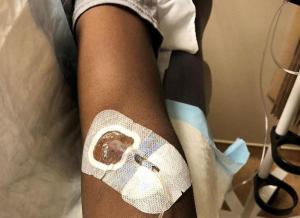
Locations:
{"points": [[280, 135]]}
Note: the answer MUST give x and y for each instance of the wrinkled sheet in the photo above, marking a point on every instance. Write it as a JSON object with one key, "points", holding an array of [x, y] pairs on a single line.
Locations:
{"points": [[39, 131]]}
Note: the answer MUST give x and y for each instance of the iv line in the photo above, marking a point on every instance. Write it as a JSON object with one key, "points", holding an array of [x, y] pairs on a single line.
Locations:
{"points": [[271, 33]]}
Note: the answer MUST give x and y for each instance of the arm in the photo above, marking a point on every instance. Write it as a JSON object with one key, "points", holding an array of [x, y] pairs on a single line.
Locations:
{"points": [[117, 70]]}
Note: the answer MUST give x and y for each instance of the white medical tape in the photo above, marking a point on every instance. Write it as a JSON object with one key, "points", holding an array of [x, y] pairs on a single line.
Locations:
{"points": [[144, 168]]}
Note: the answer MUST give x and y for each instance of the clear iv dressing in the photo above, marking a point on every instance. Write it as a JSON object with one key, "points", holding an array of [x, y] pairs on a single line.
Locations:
{"points": [[144, 168]]}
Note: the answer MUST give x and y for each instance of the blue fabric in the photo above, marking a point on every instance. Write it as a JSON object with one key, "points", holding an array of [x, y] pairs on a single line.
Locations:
{"points": [[236, 154]]}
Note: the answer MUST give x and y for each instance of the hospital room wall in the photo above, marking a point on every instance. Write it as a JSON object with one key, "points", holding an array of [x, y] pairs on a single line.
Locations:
{"points": [[233, 45]]}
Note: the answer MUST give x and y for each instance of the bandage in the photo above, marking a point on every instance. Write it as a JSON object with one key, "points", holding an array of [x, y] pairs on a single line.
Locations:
{"points": [[144, 168]]}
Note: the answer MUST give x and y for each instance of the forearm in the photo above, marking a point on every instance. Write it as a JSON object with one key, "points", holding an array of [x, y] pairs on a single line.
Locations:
{"points": [[117, 70]]}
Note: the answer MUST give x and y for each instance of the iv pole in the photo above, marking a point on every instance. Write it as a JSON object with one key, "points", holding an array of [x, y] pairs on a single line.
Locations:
{"points": [[264, 179], [290, 110]]}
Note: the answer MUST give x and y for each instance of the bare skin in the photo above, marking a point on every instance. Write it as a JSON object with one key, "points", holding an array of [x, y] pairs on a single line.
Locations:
{"points": [[117, 70]]}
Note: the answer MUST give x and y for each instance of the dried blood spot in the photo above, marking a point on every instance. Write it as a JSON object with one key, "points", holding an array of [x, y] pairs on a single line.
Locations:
{"points": [[111, 146]]}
